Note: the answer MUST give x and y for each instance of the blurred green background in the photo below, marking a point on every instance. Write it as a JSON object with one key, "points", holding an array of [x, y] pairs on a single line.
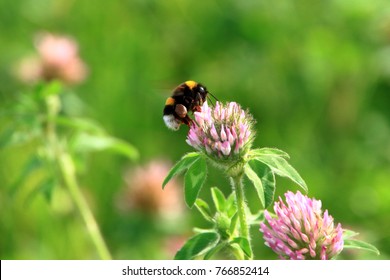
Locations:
{"points": [[315, 75]]}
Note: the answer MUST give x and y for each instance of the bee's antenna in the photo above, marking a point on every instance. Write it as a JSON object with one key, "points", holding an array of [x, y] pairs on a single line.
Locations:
{"points": [[213, 96], [212, 103]]}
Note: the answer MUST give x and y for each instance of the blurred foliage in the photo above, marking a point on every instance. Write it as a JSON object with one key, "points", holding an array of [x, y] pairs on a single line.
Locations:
{"points": [[315, 75]]}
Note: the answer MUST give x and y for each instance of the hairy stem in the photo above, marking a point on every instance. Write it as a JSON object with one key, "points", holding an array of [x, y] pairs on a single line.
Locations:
{"points": [[238, 188]]}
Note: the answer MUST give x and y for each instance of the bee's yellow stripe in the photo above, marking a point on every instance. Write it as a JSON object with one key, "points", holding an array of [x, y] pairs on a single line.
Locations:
{"points": [[191, 84], [170, 101]]}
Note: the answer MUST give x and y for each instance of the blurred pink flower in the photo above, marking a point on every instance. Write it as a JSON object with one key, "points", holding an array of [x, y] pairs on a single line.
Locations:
{"points": [[57, 58], [144, 192], [301, 231]]}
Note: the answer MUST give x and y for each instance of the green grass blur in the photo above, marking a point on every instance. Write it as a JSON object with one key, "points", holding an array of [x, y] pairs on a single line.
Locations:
{"points": [[315, 75]]}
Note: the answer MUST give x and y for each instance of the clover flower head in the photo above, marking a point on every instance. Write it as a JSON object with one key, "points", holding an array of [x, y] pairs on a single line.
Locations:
{"points": [[60, 58], [301, 230], [223, 132], [143, 192], [57, 58]]}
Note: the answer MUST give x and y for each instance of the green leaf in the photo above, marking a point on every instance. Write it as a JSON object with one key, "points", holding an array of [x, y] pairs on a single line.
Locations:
{"points": [[32, 165], [204, 209], [357, 244], [184, 163], [197, 245], [45, 187], [256, 219], [19, 133], [214, 250], [203, 230], [84, 142], [194, 180], [269, 151], [79, 124], [280, 166], [218, 199], [252, 176], [72, 104], [244, 245], [267, 178], [348, 234]]}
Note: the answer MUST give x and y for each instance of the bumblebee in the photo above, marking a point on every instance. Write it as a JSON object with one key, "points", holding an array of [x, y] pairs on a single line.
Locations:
{"points": [[187, 97]]}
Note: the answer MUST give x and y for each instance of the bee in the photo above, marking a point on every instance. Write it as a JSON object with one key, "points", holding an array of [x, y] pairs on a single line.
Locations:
{"points": [[187, 97]]}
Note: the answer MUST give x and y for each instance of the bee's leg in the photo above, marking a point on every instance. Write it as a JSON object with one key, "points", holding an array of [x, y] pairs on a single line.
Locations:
{"points": [[187, 121], [197, 108]]}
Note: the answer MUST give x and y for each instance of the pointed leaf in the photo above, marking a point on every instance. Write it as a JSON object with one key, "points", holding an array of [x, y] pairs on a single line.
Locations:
{"points": [[244, 245], [281, 167], [84, 142], [214, 250], [197, 245], [184, 163], [257, 218], [194, 180], [267, 178], [218, 199], [348, 234], [252, 176], [269, 151], [204, 209], [357, 244], [203, 230]]}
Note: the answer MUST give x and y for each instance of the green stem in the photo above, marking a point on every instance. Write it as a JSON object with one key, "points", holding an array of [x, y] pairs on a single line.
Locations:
{"points": [[67, 169], [238, 188]]}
